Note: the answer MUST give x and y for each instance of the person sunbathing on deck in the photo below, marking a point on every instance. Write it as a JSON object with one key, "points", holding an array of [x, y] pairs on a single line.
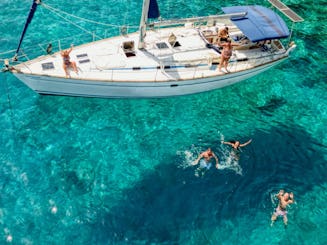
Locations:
{"points": [[67, 62]]}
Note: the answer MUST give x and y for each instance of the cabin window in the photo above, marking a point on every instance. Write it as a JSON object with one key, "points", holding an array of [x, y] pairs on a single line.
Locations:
{"points": [[84, 61], [81, 56], [161, 45], [47, 66]]}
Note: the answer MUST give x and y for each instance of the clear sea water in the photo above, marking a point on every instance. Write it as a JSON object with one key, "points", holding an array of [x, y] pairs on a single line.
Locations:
{"points": [[113, 171]]}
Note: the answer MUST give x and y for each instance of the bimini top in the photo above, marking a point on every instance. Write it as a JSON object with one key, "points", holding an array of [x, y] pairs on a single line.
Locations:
{"points": [[259, 23]]}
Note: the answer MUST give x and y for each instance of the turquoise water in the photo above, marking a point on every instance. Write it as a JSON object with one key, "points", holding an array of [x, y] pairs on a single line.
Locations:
{"points": [[101, 171]]}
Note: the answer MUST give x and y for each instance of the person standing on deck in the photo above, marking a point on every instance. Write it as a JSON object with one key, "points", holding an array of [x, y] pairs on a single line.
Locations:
{"points": [[226, 53]]}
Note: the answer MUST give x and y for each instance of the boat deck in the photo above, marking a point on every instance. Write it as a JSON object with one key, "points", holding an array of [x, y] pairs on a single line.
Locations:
{"points": [[172, 54]]}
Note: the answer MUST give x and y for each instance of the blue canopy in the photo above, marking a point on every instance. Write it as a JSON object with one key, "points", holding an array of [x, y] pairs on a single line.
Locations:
{"points": [[259, 23]]}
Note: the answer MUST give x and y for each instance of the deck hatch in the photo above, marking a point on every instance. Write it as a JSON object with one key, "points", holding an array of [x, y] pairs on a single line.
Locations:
{"points": [[176, 44], [81, 55], [129, 48], [84, 61], [162, 45], [47, 66]]}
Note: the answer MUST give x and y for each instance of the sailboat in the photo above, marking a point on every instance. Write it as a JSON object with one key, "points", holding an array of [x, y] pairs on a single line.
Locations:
{"points": [[164, 57]]}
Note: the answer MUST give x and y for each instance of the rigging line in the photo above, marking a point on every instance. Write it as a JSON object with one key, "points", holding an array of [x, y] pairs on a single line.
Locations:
{"points": [[83, 19], [75, 24], [8, 52]]}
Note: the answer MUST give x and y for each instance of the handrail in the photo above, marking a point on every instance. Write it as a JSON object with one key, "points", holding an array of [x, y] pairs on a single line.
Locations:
{"points": [[58, 44], [194, 70]]}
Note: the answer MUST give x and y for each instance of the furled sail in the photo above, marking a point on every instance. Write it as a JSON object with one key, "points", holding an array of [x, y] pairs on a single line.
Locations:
{"points": [[150, 10], [28, 21], [153, 10]]}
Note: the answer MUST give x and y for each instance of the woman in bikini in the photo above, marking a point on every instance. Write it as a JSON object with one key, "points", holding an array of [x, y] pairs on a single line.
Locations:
{"points": [[67, 62], [226, 53], [236, 147], [236, 144]]}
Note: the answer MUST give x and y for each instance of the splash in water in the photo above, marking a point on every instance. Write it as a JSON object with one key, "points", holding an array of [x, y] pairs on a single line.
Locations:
{"points": [[188, 157], [228, 160]]}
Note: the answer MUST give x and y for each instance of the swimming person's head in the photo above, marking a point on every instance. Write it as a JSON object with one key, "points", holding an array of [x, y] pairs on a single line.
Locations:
{"points": [[286, 196]]}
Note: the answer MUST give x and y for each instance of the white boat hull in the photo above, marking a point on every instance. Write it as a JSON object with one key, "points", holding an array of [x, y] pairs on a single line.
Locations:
{"points": [[106, 89]]}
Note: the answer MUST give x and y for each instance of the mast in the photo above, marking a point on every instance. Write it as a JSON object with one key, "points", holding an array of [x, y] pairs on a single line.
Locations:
{"points": [[28, 21], [144, 19], [150, 10]]}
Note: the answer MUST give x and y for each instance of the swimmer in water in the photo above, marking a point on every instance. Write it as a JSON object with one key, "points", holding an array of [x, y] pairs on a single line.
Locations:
{"points": [[284, 200], [236, 147], [207, 156], [236, 144]]}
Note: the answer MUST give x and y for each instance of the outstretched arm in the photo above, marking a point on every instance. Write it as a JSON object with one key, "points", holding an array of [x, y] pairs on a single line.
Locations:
{"points": [[197, 160], [70, 49], [280, 193], [67, 52], [216, 158], [246, 143], [227, 143], [291, 199]]}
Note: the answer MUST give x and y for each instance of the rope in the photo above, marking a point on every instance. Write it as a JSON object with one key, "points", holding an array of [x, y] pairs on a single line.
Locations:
{"points": [[56, 11], [8, 52]]}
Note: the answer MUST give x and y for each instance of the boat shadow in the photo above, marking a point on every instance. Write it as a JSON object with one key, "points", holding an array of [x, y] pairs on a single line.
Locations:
{"points": [[170, 203]]}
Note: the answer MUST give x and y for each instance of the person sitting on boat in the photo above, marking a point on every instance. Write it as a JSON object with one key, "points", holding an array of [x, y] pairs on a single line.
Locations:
{"points": [[67, 62], [284, 200], [226, 53], [207, 156]]}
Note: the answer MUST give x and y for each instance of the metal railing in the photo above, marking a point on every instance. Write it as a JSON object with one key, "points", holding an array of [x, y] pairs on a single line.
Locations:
{"points": [[33, 51]]}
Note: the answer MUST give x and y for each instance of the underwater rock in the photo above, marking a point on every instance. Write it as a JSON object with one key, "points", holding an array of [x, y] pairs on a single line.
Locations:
{"points": [[272, 105]]}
